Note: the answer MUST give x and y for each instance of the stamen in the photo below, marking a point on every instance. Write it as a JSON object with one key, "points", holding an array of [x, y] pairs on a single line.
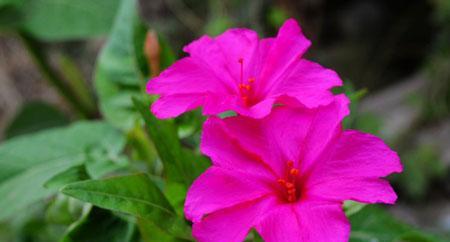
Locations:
{"points": [[281, 181], [241, 61], [245, 88], [289, 184], [294, 171]]}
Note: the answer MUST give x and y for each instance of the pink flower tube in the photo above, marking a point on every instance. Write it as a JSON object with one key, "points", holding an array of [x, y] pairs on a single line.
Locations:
{"points": [[237, 71], [287, 175]]}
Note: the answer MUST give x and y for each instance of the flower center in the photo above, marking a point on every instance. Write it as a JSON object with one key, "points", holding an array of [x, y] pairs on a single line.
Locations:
{"points": [[245, 88], [289, 187]]}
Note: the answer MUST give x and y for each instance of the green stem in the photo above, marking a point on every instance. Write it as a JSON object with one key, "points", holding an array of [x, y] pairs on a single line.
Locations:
{"points": [[143, 147], [50, 75], [77, 83]]}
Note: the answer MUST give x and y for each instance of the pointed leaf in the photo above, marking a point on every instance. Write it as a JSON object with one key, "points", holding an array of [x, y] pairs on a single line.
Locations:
{"points": [[133, 194], [117, 75], [73, 174]]}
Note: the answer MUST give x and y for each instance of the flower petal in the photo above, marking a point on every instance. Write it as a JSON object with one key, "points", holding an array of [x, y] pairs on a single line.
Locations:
{"points": [[174, 105], [305, 222], [366, 190], [258, 110], [309, 83], [353, 168], [289, 134], [185, 76], [222, 53], [325, 126], [183, 87], [361, 152], [217, 189], [231, 224], [226, 152], [289, 45]]}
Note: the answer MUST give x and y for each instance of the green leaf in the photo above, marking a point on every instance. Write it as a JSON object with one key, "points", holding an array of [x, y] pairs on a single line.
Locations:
{"points": [[73, 174], [10, 2], [180, 165], [277, 16], [374, 224], [133, 194], [152, 233], [101, 162], [352, 207], [167, 55], [27, 187], [101, 226], [77, 83], [63, 210], [35, 116], [28, 162], [10, 18], [117, 75], [122, 69], [67, 19], [421, 166]]}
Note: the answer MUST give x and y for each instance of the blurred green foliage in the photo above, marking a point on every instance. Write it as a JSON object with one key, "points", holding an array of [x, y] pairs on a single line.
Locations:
{"points": [[125, 178], [421, 167], [373, 223], [56, 20], [35, 116]]}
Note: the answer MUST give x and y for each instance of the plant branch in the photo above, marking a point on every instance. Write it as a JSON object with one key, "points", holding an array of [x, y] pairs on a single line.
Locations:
{"points": [[50, 75]]}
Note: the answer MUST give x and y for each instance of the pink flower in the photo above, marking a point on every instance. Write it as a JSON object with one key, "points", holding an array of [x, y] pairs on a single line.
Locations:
{"points": [[286, 175], [240, 72]]}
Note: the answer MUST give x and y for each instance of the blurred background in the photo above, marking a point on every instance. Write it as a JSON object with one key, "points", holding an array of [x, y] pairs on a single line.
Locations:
{"points": [[393, 55]]}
